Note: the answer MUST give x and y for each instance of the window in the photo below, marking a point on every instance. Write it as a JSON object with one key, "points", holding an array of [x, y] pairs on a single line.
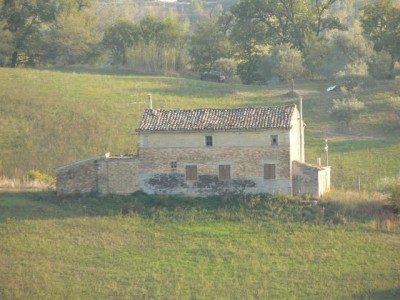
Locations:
{"points": [[269, 171], [174, 165], [191, 172], [224, 172], [209, 140], [274, 140]]}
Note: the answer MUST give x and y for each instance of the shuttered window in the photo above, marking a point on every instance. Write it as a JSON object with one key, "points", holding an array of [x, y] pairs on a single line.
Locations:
{"points": [[269, 171], [191, 172], [224, 172]]}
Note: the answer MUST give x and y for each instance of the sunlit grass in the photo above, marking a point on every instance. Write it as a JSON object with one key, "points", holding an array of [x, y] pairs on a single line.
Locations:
{"points": [[50, 118], [141, 247]]}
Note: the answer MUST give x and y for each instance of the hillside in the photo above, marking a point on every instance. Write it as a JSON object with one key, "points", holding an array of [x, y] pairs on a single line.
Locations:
{"points": [[50, 118]]}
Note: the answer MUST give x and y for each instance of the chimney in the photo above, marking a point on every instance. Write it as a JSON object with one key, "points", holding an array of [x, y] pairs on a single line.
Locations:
{"points": [[150, 100]]}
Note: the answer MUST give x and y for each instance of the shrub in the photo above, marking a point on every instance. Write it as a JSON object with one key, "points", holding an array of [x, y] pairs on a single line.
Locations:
{"points": [[227, 66], [394, 197], [37, 175], [347, 110], [381, 65]]}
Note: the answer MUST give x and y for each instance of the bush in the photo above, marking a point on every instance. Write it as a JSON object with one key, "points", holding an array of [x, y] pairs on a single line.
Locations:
{"points": [[347, 110], [394, 197], [381, 65], [227, 66], [37, 175]]}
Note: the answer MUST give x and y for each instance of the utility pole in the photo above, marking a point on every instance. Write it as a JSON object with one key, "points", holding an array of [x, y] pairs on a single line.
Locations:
{"points": [[326, 150]]}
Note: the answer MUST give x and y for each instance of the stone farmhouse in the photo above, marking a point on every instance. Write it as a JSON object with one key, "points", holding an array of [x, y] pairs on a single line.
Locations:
{"points": [[203, 152]]}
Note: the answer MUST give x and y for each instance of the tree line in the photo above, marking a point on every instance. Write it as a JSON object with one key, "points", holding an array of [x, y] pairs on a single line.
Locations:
{"points": [[257, 40]]}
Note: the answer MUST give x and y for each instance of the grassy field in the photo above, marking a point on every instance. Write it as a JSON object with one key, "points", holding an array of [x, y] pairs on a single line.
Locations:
{"points": [[149, 247], [50, 118]]}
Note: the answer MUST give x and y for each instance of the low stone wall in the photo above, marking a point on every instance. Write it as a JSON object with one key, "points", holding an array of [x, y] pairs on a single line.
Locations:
{"points": [[310, 179], [78, 177], [118, 175], [102, 174]]}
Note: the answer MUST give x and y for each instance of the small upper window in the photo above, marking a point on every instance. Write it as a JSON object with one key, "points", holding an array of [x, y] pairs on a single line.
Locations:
{"points": [[209, 140], [274, 140], [174, 164]]}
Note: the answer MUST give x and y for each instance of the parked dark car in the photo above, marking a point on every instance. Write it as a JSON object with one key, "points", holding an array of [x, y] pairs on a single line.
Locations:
{"points": [[213, 76]]}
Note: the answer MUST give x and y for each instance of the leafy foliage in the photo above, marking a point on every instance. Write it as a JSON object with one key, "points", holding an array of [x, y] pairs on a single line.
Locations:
{"points": [[381, 25], [394, 197], [347, 110], [290, 64], [37, 175], [208, 44], [119, 37]]}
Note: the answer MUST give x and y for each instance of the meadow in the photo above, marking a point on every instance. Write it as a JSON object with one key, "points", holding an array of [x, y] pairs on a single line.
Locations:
{"points": [[344, 246], [49, 118], [231, 247]]}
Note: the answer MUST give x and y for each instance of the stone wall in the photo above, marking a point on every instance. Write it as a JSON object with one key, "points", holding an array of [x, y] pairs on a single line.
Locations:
{"points": [[78, 177], [103, 174], [246, 168], [118, 175], [310, 179]]}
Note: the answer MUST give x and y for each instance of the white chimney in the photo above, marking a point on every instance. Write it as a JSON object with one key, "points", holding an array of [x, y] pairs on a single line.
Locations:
{"points": [[150, 100]]}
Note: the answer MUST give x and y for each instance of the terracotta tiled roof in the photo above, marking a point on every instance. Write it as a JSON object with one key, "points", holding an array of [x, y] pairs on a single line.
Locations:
{"points": [[217, 119]]}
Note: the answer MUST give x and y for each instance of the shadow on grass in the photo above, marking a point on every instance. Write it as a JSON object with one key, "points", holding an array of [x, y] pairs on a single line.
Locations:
{"points": [[391, 294], [161, 208]]}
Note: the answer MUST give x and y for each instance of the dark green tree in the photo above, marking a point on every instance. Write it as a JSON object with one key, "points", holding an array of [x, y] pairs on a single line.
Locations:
{"points": [[290, 64], [380, 22], [207, 44], [262, 23], [73, 38], [119, 37], [25, 20]]}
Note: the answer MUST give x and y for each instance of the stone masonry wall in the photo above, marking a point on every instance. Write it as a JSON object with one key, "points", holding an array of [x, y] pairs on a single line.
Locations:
{"points": [[118, 175], [247, 170], [78, 177], [310, 179]]}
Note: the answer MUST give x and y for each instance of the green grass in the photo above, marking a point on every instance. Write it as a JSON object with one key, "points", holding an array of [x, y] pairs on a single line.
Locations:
{"points": [[149, 247], [51, 118]]}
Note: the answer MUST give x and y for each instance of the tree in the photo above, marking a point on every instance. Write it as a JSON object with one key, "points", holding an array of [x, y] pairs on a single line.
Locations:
{"points": [[290, 64], [208, 44], [315, 52], [349, 55], [381, 65], [347, 110], [73, 39], [288, 21], [381, 25], [28, 26], [248, 39], [259, 24], [119, 37], [25, 20], [6, 46]]}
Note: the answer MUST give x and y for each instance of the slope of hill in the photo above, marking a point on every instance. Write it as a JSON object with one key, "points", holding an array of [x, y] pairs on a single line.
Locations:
{"points": [[50, 118]]}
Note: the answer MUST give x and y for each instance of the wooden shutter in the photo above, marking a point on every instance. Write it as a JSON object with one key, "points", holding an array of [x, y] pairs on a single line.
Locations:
{"points": [[191, 172], [269, 171], [224, 172]]}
